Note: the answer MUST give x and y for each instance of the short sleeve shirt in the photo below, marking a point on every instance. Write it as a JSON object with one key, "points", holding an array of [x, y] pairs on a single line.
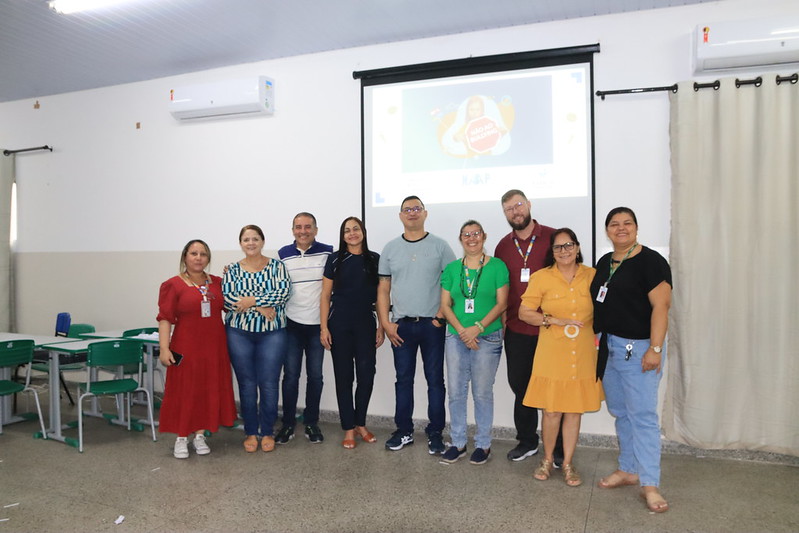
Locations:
{"points": [[415, 270]]}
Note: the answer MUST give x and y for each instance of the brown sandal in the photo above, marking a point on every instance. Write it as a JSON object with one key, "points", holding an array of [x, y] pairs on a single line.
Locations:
{"points": [[365, 434], [655, 504], [571, 475], [618, 479], [250, 443], [544, 470], [267, 443]]}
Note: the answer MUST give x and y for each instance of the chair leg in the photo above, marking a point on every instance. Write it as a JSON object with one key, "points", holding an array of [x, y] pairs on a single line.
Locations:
{"points": [[66, 389], [130, 400], [39, 411], [80, 423], [150, 413]]}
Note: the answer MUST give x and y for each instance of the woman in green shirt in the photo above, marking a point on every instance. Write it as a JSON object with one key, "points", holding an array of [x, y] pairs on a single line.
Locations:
{"points": [[474, 294]]}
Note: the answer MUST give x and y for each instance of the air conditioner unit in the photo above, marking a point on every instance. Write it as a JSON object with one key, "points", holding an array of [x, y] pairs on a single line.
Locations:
{"points": [[247, 96], [743, 44]]}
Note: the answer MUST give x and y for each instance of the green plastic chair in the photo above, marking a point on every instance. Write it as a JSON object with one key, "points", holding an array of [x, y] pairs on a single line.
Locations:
{"points": [[138, 331], [75, 331], [12, 355], [156, 369], [113, 353]]}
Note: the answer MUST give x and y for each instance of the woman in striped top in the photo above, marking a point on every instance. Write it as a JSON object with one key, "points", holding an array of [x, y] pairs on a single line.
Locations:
{"points": [[256, 290]]}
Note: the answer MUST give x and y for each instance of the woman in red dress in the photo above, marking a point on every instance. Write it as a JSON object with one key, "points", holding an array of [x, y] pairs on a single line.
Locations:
{"points": [[198, 395]]}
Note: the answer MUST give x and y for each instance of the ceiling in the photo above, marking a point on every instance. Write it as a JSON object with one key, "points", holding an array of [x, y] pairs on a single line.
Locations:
{"points": [[44, 53]]}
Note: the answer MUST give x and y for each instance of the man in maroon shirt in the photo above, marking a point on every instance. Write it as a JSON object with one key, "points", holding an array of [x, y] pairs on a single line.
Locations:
{"points": [[523, 250]]}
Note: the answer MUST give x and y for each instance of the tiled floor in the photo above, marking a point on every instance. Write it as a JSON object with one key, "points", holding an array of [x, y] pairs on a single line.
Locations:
{"points": [[48, 486]]}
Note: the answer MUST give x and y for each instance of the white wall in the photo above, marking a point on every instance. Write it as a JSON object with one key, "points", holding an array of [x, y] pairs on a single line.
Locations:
{"points": [[110, 189]]}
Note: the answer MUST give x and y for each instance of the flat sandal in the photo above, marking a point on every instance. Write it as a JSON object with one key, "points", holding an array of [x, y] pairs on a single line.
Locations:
{"points": [[571, 475], [544, 470]]}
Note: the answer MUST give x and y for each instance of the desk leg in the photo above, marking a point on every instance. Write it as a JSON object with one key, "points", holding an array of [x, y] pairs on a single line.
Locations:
{"points": [[54, 431], [5, 401], [149, 379]]}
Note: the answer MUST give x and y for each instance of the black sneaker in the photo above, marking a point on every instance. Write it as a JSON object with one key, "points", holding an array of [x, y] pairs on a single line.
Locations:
{"points": [[479, 456], [435, 443], [285, 434], [557, 462], [521, 452], [398, 440], [313, 433], [452, 454]]}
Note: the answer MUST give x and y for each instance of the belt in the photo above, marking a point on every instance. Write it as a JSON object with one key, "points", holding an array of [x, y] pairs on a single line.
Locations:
{"points": [[415, 318]]}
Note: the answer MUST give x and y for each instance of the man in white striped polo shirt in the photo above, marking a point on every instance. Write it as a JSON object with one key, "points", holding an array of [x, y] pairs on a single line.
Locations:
{"points": [[305, 260]]}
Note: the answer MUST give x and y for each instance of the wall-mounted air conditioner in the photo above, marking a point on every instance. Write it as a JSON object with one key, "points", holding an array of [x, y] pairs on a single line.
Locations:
{"points": [[743, 44], [247, 96]]}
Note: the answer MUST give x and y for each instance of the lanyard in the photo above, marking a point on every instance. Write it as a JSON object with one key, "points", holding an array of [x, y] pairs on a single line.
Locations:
{"points": [[614, 269], [471, 285], [202, 288], [519, 249]]}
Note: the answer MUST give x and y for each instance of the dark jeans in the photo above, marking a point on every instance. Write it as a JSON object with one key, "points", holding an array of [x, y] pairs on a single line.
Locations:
{"points": [[430, 339], [520, 353], [353, 342], [256, 359], [302, 338]]}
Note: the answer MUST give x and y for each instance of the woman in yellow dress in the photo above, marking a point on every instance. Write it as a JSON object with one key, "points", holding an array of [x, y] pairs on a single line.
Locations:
{"points": [[564, 382]]}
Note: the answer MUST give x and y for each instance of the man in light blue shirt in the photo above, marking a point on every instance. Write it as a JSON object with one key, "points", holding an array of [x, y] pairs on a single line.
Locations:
{"points": [[410, 287]]}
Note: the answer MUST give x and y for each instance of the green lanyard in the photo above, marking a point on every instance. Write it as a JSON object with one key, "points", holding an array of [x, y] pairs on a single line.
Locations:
{"points": [[614, 269], [470, 291]]}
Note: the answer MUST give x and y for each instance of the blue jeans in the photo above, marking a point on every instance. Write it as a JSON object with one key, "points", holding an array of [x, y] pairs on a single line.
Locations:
{"points": [[480, 367], [302, 338], [257, 359], [632, 397], [430, 339]]}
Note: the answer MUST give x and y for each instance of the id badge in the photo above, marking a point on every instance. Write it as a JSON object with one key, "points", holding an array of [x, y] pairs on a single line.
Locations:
{"points": [[469, 305], [205, 309], [525, 275], [603, 291]]}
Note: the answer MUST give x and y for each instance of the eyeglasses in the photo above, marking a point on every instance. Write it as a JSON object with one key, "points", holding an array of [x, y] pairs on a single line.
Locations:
{"points": [[568, 246], [414, 209], [513, 207], [475, 233]]}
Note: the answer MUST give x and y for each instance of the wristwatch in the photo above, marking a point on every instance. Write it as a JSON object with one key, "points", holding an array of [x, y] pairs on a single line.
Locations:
{"points": [[657, 349]]}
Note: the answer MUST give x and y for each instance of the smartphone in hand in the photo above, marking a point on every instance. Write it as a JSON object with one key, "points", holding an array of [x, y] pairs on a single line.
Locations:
{"points": [[178, 357]]}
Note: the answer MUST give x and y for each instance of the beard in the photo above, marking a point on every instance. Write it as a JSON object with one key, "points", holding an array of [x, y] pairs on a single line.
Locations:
{"points": [[523, 224]]}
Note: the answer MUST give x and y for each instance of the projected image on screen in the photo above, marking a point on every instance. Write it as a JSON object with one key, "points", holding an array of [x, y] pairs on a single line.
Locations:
{"points": [[481, 125], [470, 137], [460, 141]]}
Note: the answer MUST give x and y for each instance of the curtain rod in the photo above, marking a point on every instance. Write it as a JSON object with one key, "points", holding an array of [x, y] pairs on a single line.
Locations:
{"points": [[757, 82], [11, 152]]}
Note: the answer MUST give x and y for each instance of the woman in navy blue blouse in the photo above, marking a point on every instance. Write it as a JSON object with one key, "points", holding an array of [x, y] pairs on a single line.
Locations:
{"points": [[348, 326]]}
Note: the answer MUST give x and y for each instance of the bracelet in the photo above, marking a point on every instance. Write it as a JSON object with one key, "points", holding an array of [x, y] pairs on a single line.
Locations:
{"points": [[480, 326], [545, 321]]}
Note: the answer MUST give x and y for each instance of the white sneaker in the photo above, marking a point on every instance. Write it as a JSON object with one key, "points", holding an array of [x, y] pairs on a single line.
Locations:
{"points": [[181, 448], [200, 445]]}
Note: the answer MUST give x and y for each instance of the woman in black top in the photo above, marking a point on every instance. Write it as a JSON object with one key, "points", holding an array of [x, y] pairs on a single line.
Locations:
{"points": [[632, 296], [348, 326]]}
